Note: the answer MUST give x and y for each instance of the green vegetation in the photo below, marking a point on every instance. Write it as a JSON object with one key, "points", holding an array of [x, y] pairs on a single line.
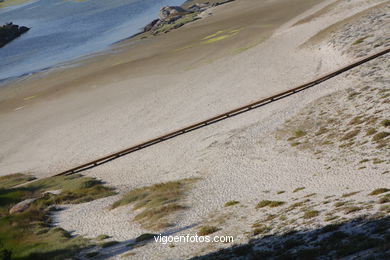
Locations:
{"points": [[295, 205], [299, 189], [339, 204], [260, 229], [108, 244], [379, 136], [360, 40], [179, 22], [345, 195], [370, 131], [299, 133], [158, 202], [231, 203], [385, 208], [384, 199], [145, 237], [351, 209], [350, 134], [12, 180], [310, 214], [102, 237], [29, 234], [385, 123], [207, 230], [269, 203], [379, 191]]}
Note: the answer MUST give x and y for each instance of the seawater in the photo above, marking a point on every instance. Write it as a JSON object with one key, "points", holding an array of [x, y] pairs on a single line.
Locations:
{"points": [[62, 30]]}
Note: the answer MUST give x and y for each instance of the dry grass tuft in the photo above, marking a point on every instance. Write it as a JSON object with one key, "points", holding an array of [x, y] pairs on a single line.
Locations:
{"points": [[379, 191], [207, 230], [157, 202], [231, 203], [269, 203]]}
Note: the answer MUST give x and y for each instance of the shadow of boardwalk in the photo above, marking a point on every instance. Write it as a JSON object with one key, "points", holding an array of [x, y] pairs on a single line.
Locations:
{"points": [[128, 245], [361, 238]]}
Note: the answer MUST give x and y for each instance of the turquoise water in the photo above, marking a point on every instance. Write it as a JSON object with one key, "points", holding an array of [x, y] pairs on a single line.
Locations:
{"points": [[65, 30]]}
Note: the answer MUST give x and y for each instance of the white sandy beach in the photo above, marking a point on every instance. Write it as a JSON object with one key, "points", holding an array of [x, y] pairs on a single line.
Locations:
{"points": [[237, 159]]}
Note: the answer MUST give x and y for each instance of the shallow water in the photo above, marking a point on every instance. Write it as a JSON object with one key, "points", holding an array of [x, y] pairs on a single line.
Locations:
{"points": [[64, 30]]}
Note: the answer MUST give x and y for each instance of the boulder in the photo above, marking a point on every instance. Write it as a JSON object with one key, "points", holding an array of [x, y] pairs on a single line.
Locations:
{"points": [[149, 26], [10, 31], [169, 11], [21, 206]]}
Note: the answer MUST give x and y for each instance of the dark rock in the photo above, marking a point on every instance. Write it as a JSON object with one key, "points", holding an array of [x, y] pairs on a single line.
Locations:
{"points": [[169, 11], [10, 31], [21, 206], [149, 26]]}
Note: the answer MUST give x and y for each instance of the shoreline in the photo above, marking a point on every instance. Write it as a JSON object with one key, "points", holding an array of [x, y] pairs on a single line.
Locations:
{"points": [[85, 57]]}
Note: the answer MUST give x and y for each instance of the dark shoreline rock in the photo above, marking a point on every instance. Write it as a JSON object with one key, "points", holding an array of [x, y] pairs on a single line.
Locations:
{"points": [[10, 31], [169, 15]]}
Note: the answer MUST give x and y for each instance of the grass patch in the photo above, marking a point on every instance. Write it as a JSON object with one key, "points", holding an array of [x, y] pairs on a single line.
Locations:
{"points": [[379, 136], [385, 208], [360, 40], [30, 234], [321, 131], [269, 203], [350, 135], [179, 22], [384, 199], [370, 131], [145, 237], [231, 203], [299, 189], [295, 205], [157, 202], [379, 191], [260, 229], [207, 230], [299, 133], [345, 195], [357, 120], [385, 123], [280, 192], [102, 237], [12, 180], [351, 209], [339, 204], [310, 214], [109, 244]]}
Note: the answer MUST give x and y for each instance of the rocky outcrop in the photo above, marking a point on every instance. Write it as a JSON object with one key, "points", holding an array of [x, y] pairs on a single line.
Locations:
{"points": [[21, 206], [168, 11], [10, 31], [169, 15]]}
